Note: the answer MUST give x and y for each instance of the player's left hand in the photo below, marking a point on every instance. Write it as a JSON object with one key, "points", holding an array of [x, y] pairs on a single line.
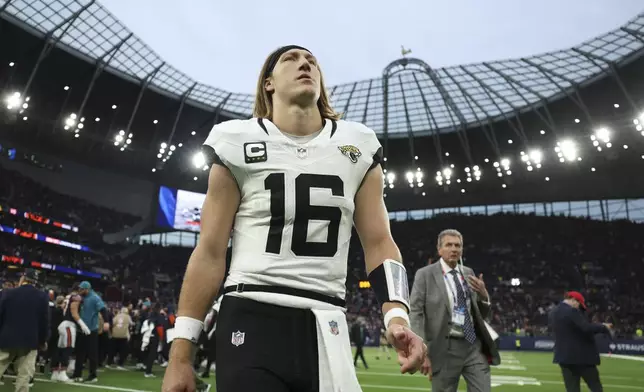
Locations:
{"points": [[478, 285], [411, 349]]}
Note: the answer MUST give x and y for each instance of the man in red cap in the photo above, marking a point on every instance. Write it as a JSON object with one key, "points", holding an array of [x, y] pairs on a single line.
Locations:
{"points": [[575, 348]]}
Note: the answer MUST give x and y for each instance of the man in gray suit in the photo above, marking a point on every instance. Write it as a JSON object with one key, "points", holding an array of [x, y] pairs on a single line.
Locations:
{"points": [[448, 307]]}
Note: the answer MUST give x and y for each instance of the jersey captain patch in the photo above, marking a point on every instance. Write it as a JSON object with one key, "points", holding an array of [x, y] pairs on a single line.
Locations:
{"points": [[352, 152]]}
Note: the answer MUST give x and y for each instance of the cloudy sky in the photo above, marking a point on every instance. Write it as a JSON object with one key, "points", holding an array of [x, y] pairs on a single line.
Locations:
{"points": [[224, 43]]}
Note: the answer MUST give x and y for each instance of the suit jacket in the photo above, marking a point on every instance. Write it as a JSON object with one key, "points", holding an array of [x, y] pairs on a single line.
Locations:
{"points": [[431, 315], [24, 318], [574, 336]]}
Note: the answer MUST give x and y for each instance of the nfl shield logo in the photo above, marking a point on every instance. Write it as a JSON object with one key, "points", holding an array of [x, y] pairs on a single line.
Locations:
{"points": [[302, 153], [238, 338], [334, 327]]}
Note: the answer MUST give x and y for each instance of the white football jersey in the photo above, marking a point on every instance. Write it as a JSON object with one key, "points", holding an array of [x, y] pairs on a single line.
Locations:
{"points": [[293, 225]]}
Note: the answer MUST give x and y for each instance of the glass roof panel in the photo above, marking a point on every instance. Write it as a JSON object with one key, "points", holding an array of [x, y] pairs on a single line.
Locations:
{"points": [[470, 93]]}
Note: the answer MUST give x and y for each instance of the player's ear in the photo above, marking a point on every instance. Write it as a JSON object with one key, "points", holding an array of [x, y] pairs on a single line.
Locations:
{"points": [[268, 85]]}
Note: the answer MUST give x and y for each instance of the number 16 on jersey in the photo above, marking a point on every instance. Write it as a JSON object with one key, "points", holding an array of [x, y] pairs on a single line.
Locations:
{"points": [[304, 212]]}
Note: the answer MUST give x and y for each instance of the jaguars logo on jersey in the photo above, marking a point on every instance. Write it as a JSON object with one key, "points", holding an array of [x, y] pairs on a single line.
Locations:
{"points": [[351, 152]]}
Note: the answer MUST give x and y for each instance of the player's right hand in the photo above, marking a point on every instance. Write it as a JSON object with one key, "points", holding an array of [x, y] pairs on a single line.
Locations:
{"points": [[179, 377], [85, 329]]}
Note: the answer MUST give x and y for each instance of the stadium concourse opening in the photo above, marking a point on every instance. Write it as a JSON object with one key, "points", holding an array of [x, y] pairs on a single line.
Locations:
{"points": [[537, 161]]}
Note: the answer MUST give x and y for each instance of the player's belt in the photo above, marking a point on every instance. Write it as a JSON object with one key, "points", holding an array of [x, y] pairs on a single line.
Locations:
{"points": [[240, 288]]}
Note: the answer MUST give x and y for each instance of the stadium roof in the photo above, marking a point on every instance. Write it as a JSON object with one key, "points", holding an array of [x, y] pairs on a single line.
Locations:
{"points": [[410, 97]]}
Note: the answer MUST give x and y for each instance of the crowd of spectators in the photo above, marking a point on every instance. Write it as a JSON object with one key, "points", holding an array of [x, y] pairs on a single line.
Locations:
{"points": [[527, 261]]}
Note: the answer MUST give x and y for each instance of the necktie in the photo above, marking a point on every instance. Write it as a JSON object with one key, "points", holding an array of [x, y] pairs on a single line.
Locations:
{"points": [[461, 303]]}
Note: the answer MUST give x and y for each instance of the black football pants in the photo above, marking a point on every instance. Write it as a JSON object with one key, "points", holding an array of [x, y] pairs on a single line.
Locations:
{"points": [[277, 352]]}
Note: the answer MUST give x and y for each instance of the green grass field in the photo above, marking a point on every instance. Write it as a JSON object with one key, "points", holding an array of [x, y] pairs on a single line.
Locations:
{"points": [[520, 371]]}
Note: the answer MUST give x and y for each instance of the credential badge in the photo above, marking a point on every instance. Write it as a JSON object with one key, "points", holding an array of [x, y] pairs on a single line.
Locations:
{"points": [[238, 338], [334, 327], [351, 152]]}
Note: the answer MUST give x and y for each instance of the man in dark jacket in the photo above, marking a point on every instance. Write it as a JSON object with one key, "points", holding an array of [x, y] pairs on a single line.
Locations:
{"points": [[359, 334], [24, 328], [575, 348]]}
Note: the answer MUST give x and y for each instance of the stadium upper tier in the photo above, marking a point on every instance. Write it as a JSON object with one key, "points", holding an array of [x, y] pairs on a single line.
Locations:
{"points": [[410, 96]]}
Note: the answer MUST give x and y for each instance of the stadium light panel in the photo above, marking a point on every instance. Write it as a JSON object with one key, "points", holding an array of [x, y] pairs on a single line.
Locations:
{"points": [[625, 146], [11, 64], [447, 154], [547, 178], [24, 118], [159, 156], [592, 169], [447, 172], [114, 107], [603, 135], [504, 186], [542, 132], [416, 157], [13, 101], [77, 136], [25, 105], [66, 88], [410, 176], [616, 106], [172, 148], [462, 190], [510, 141], [81, 126], [194, 133], [199, 159], [155, 122], [577, 121], [97, 119], [164, 145], [195, 178], [568, 150], [154, 170], [423, 193], [180, 145]]}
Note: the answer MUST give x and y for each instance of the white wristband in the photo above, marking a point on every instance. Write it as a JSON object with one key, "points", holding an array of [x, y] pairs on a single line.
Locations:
{"points": [[396, 312], [188, 328]]}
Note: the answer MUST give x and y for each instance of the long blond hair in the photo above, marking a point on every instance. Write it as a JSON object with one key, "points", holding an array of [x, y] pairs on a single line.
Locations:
{"points": [[264, 101]]}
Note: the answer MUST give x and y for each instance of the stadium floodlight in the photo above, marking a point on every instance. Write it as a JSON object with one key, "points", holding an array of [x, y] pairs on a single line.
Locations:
{"points": [[97, 119], [567, 150], [25, 118], [66, 88], [447, 154], [194, 133], [577, 121], [70, 121], [172, 148], [13, 101], [199, 159], [515, 282], [616, 106], [155, 122], [81, 126], [180, 145], [447, 172], [114, 107], [536, 156], [602, 135], [164, 145], [542, 132], [11, 64]]}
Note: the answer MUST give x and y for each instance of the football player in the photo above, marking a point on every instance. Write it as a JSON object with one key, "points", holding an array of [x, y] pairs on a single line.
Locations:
{"points": [[67, 331], [291, 182]]}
